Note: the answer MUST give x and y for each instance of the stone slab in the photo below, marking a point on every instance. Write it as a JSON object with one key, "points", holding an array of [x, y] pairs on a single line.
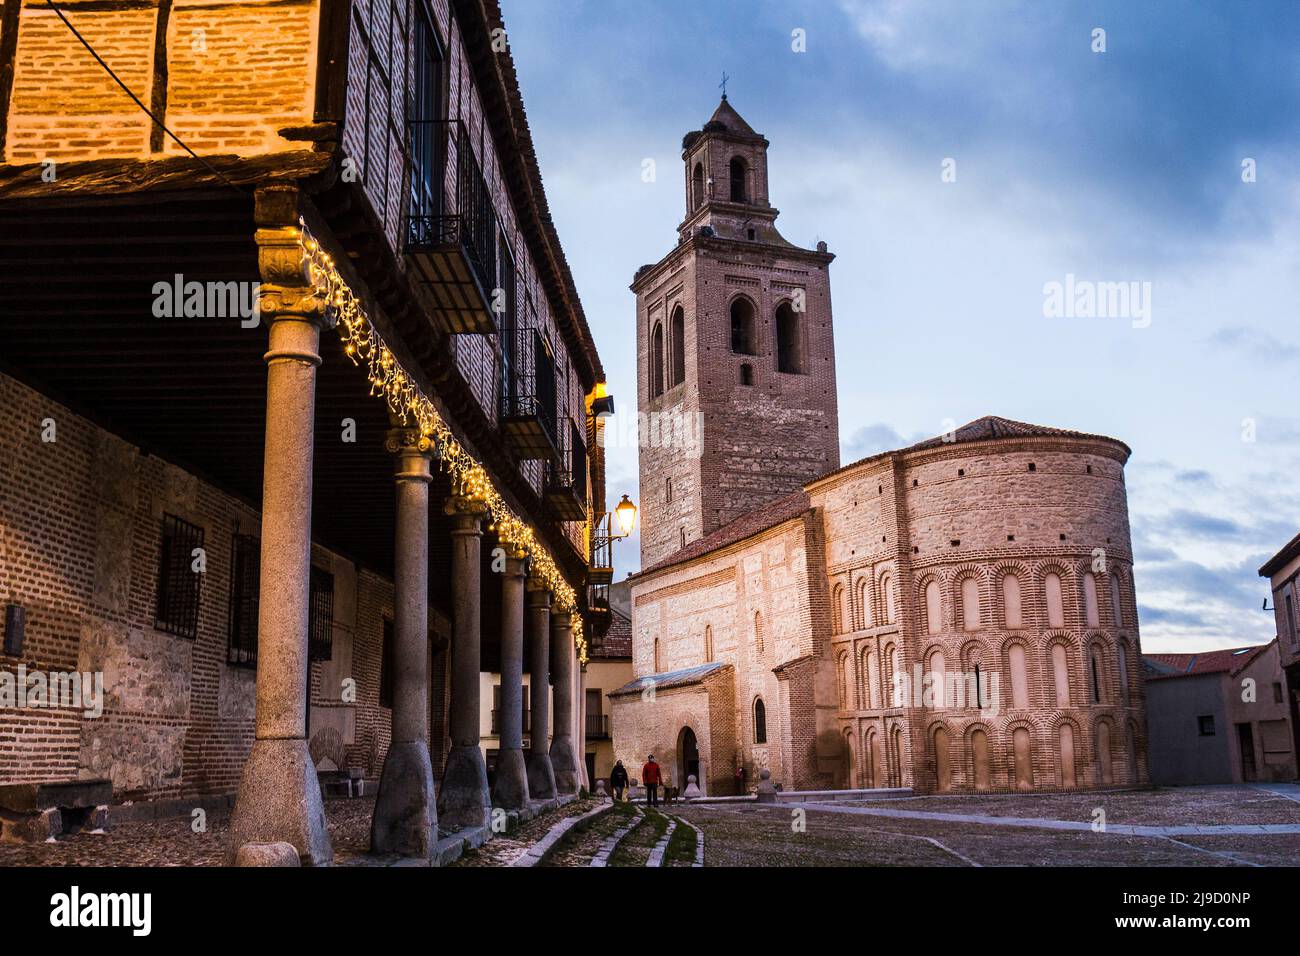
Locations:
{"points": [[75, 794]]}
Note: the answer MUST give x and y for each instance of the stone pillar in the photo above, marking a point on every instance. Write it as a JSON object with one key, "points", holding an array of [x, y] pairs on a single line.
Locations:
{"points": [[563, 759], [510, 790], [582, 728], [541, 775], [406, 817], [464, 800], [279, 797]]}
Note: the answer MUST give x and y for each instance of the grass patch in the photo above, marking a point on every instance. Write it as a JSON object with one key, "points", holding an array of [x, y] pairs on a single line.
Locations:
{"points": [[636, 846], [681, 847]]}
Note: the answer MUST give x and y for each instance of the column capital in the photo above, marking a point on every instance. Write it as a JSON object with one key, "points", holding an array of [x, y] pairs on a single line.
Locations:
{"points": [[301, 303], [412, 451], [538, 592], [562, 619], [468, 511]]}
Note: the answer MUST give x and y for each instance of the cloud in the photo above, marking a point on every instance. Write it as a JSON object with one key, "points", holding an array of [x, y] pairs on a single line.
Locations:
{"points": [[1255, 344]]}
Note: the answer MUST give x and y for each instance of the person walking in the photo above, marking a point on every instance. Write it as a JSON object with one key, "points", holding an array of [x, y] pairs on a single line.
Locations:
{"points": [[650, 777], [618, 780]]}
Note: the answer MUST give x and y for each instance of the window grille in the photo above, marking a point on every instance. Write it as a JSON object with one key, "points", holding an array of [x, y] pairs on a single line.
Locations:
{"points": [[178, 583]]}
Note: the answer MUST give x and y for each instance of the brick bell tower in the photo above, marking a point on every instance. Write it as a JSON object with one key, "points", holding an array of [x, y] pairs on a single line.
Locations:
{"points": [[733, 333]]}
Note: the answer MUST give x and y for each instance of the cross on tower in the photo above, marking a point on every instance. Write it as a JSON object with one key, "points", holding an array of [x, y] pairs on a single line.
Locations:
{"points": [[723, 84]]}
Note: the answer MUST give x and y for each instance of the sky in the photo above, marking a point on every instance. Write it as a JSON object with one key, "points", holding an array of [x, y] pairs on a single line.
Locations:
{"points": [[1128, 164]]}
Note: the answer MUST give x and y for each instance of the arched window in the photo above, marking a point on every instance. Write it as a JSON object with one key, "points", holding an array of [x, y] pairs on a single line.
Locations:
{"points": [[697, 186], [1123, 671], [1061, 675], [1065, 756], [864, 602], [758, 631], [846, 681], [1097, 666], [939, 679], [760, 721], [1019, 676], [1011, 602], [970, 603], [789, 341], [657, 361], [837, 609], [742, 327], [658, 665], [870, 699], [708, 643], [1091, 614], [887, 593], [979, 748], [1105, 768], [888, 679], [677, 374], [1055, 605], [1022, 759], [1116, 611], [942, 759], [933, 608], [737, 169]]}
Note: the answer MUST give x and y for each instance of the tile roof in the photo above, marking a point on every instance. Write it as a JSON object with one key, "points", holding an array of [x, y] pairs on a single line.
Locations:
{"points": [[763, 517], [617, 642], [680, 678], [1228, 661], [1279, 560]]}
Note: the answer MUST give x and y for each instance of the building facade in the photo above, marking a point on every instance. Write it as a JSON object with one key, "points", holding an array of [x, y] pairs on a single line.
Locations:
{"points": [[1283, 572], [297, 395], [1219, 717], [955, 615]]}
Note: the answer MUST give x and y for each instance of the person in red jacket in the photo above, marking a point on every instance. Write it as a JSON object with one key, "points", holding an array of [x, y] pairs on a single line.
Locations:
{"points": [[650, 777]]}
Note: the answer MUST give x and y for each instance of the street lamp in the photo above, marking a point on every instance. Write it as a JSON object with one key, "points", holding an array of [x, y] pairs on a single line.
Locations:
{"points": [[626, 514]]}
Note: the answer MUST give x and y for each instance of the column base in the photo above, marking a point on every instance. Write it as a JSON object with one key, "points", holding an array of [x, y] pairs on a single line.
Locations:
{"points": [[279, 801], [406, 814], [541, 776], [464, 800], [565, 764], [510, 791]]}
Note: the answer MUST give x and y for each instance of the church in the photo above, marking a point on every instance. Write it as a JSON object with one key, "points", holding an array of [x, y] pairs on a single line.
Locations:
{"points": [[956, 615]]}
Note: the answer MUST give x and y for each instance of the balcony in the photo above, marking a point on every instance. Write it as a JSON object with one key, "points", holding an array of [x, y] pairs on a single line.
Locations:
{"points": [[566, 476], [601, 570], [451, 229], [528, 395], [598, 614], [496, 722], [598, 726]]}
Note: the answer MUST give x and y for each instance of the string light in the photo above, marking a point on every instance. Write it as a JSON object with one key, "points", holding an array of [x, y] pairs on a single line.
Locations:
{"points": [[389, 380]]}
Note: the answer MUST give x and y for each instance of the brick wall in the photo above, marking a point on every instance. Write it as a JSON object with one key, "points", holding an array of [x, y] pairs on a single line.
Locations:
{"points": [[80, 527]]}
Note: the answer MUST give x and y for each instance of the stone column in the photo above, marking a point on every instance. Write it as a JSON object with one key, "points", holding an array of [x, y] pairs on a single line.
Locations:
{"points": [[563, 758], [464, 800], [582, 729], [279, 797], [541, 775], [510, 790], [406, 817]]}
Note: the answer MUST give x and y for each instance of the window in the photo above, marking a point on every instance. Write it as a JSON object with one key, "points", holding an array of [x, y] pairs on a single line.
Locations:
{"points": [[742, 327], [1116, 610], [245, 567], [1055, 605], [1205, 725], [387, 663], [658, 665], [427, 150], [682, 531], [697, 186], [1122, 653], [970, 604], [746, 374], [760, 721], [708, 644], [1096, 666], [758, 631], [737, 170], [789, 341], [668, 491], [320, 616], [657, 361], [1019, 676], [678, 334], [178, 581], [1290, 619], [887, 592], [1061, 675]]}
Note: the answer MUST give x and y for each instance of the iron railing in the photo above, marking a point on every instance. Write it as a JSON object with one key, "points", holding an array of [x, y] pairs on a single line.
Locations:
{"points": [[597, 726], [528, 382], [451, 204]]}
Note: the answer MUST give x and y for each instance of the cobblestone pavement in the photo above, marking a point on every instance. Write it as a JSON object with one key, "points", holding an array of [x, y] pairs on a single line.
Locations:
{"points": [[504, 849], [742, 834]]}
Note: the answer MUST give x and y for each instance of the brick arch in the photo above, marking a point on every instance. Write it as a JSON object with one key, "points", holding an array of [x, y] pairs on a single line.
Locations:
{"points": [[845, 680], [1106, 673], [1069, 605], [1072, 663], [993, 742], [1078, 760], [838, 623], [959, 575], [1125, 699], [922, 604], [886, 584], [862, 599], [754, 318], [865, 681], [1023, 572], [1033, 668], [1103, 762]]}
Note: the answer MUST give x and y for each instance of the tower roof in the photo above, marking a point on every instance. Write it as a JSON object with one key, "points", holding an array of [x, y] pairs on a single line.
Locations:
{"points": [[726, 117]]}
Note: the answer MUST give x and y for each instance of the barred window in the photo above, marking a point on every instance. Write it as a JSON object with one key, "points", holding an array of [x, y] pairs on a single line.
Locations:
{"points": [[178, 583], [320, 616], [245, 577], [386, 667]]}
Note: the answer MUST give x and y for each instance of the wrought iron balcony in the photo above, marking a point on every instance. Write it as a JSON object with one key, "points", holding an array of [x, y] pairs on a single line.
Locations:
{"points": [[528, 394], [598, 726], [451, 229], [598, 613], [601, 569], [566, 476]]}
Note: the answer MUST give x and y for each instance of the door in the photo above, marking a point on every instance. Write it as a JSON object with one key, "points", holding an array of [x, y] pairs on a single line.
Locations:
{"points": [[1247, 741], [688, 758]]}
